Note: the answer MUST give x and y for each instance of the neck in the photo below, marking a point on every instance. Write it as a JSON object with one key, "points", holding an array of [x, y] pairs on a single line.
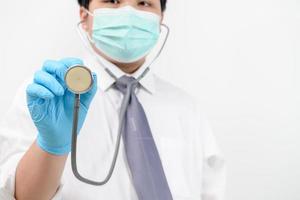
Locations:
{"points": [[130, 68]]}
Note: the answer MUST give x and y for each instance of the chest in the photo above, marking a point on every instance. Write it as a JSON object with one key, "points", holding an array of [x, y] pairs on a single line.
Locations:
{"points": [[173, 130]]}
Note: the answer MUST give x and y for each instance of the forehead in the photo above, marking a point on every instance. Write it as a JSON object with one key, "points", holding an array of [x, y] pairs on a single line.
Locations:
{"points": [[154, 1]]}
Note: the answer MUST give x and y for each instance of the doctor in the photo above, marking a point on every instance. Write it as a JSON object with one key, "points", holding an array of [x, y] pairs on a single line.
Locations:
{"points": [[167, 150]]}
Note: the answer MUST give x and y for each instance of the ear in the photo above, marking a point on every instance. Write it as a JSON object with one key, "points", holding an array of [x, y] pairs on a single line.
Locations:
{"points": [[162, 17], [83, 18]]}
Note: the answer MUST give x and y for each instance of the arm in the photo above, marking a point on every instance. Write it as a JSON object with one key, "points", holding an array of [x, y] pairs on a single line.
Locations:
{"points": [[50, 106], [38, 174]]}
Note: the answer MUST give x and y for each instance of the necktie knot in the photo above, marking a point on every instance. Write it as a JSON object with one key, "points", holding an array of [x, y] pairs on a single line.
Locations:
{"points": [[124, 82]]}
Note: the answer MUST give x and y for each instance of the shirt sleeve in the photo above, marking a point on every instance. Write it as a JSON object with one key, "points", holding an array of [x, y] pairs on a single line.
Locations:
{"points": [[214, 168], [17, 133]]}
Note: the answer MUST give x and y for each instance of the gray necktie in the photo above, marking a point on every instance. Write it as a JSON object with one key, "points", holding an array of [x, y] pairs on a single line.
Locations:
{"points": [[142, 156]]}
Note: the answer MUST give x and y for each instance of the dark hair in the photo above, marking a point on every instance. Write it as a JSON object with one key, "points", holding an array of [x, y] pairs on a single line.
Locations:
{"points": [[85, 3]]}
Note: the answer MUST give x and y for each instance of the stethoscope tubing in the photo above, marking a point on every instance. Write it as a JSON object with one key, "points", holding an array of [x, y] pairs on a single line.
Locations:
{"points": [[124, 105]]}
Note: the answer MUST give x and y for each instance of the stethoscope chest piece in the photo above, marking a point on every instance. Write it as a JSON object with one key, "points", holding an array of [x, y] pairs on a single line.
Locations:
{"points": [[79, 79]]}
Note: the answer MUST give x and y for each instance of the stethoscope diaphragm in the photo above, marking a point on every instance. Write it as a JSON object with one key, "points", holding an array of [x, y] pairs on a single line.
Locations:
{"points": [[79, 79]]}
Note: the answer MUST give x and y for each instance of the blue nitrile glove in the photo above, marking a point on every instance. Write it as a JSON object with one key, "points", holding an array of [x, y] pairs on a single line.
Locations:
{"points": [[51, 106]]}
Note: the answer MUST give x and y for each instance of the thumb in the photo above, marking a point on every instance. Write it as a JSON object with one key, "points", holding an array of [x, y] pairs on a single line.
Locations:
{"points": [[87, 98]]}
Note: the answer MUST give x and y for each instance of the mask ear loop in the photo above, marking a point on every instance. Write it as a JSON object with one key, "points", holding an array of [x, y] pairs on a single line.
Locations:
{"points": [[88, 12]]}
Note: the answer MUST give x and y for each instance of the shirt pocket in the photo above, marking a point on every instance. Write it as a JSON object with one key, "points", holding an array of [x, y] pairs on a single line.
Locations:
{"points": [[174, 153]]}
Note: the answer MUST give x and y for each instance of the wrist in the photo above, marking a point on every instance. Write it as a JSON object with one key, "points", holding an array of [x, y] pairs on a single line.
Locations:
{"points": [[58, 150]]}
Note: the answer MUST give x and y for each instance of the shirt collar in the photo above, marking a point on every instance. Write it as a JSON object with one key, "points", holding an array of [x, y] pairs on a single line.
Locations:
{"points": [[105, 81]]}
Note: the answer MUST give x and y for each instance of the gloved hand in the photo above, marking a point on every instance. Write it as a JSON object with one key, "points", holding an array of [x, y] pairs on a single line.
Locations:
{"points": [[51, 106]]}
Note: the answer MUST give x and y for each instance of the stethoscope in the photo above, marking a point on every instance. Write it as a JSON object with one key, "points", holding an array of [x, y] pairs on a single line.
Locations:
{"points": [[79, 80]]}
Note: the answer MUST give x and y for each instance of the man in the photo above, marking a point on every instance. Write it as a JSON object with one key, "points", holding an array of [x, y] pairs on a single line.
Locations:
{"points": [[175, 158]]}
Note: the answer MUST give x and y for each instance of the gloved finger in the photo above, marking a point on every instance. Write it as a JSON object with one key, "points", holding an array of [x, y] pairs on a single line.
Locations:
{"points": [[59, 68], [48, 81], [69, 62], [35, 91], [88, 97], [56, 68]]}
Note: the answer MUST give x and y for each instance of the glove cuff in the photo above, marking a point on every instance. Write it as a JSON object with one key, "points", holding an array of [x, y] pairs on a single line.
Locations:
{"points": [[59, 151]]}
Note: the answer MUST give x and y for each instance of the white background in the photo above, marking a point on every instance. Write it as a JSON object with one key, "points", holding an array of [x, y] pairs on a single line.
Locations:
{"points": [[240, 58]]}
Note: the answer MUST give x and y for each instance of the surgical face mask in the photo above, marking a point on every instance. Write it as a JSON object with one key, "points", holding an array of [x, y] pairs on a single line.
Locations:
{"points": [[125, 34]]}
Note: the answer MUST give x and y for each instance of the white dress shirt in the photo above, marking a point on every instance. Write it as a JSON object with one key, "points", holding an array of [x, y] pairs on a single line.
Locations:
{"points": [[193, 165]]}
